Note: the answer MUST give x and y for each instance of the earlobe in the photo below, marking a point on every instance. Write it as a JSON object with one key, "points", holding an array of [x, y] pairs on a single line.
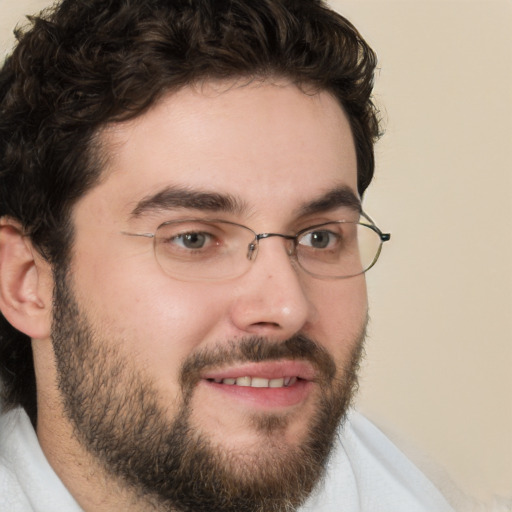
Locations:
{"points": [[25, 283]]}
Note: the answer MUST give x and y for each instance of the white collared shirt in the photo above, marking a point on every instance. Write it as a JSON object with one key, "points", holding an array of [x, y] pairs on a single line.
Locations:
{"points": [[366, 473]]}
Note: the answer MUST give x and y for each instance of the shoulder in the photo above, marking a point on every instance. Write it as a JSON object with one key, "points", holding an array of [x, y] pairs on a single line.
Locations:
{"points": [[368, 473], [27, 481], [12, 496]]}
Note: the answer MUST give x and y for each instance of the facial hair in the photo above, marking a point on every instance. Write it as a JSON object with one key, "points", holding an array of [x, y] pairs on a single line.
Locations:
{"points": [[167, 463]]}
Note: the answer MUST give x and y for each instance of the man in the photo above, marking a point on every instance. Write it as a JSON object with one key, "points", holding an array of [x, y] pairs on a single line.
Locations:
{"points": [[182, 258]]}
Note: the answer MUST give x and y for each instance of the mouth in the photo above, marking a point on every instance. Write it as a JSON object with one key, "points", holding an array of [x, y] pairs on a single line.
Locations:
{"points": [[266, 385], [257, 382]]}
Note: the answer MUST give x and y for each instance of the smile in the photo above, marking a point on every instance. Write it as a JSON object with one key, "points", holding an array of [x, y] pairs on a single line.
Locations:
{"points": [[257, 382], [266, 385]]}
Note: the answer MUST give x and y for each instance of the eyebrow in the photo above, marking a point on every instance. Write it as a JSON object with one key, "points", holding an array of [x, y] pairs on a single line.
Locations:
{"points": [[336, 198], [173, 198]]}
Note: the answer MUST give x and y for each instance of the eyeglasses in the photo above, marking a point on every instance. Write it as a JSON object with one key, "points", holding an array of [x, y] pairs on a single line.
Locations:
{"points": [[212, 249]]}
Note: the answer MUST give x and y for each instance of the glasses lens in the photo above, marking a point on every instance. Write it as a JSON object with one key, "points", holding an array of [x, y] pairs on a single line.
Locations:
{"points": [[202, 250], [338, 249]]}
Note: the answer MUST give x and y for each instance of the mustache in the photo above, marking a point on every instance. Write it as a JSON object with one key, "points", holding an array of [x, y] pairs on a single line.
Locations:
{"points": [[255, 350]]}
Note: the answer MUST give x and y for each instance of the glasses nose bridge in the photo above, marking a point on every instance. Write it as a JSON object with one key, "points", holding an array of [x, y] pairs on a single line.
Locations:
{"points": [[291, 247]]}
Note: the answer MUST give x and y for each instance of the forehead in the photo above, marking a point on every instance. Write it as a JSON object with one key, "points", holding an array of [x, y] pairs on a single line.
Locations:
{"points": [[260, 143]]}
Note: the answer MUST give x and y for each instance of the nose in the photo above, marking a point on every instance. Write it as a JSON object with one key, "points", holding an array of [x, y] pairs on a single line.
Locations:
{"points": [[271, 299]]}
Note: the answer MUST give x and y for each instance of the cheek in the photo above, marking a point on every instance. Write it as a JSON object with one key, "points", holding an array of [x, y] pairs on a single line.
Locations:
{"points": [[153, 320], [342, 311]]}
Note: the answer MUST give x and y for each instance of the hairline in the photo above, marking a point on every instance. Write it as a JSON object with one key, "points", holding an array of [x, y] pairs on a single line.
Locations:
{"points": [[102, 146]]}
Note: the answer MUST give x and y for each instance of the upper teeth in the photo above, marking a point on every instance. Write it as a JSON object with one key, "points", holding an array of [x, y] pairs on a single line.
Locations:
{"points": [[259, 382]]}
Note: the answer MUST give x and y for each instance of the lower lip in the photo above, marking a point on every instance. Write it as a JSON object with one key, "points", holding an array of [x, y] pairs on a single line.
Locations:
{"points": [[264, 398]]}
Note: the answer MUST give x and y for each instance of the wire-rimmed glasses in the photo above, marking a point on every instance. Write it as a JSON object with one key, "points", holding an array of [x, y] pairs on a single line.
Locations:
{"points": [[215, 249]]}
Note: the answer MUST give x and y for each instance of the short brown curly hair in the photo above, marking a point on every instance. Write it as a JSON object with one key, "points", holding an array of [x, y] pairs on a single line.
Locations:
{"points": [[85, 63]]}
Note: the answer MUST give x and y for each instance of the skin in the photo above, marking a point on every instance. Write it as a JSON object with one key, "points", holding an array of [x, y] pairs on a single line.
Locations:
{"points": [[273, 148]]}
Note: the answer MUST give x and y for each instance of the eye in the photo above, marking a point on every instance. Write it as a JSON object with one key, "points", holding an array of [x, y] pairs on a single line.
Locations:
{"points": [[196, 240], [319, 239], [187, 238]]}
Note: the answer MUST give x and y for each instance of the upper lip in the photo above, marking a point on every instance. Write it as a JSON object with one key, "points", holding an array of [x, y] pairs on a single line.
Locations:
{"points": [[266, 370]]}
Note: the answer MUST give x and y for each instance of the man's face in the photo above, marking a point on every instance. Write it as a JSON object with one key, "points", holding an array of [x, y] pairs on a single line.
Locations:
{"points": [[147, 361]]}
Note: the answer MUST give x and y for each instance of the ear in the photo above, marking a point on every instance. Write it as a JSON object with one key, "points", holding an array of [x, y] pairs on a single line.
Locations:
{"points": [[26, 283]]}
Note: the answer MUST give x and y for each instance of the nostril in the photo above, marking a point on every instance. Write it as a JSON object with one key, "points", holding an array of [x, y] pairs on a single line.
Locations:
{"points": [[266, 324]]}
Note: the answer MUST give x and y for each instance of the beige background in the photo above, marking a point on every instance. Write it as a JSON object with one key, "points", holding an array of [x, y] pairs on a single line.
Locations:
{"points": [[438, 369]]}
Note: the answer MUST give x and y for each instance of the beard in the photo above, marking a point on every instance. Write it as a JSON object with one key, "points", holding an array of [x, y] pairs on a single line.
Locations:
{"points": [[169, 464]]}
